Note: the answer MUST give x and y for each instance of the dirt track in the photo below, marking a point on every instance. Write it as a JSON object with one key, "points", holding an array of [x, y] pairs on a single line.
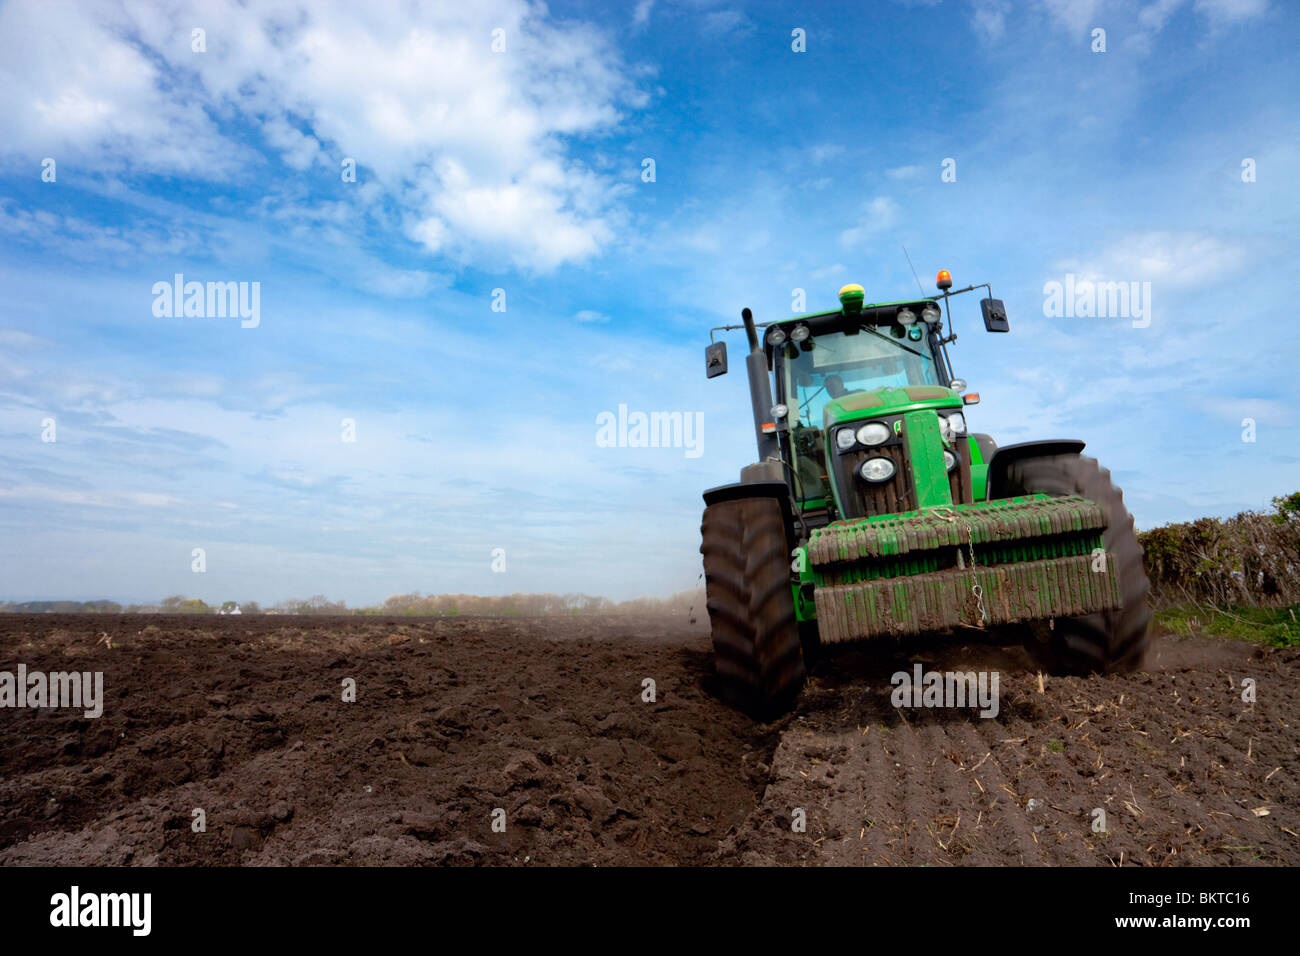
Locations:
{"points": [[544, 719]]}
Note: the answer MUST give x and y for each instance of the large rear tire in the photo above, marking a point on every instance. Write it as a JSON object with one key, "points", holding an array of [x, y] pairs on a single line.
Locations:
{"points": [[756, 648], [1112, 640]]}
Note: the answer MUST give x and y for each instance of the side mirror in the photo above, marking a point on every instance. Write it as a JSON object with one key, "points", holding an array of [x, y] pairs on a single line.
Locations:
{"points": [[715, 359], [995, 315]]}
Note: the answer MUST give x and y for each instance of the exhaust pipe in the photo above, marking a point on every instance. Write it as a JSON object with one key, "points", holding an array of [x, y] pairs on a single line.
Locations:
{"points": [[760, 392]]}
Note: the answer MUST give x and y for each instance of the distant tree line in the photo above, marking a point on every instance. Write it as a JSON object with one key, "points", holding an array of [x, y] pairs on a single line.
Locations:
{"points": [[1252, 558], [532, 605], [411, 605], [64, 607]]}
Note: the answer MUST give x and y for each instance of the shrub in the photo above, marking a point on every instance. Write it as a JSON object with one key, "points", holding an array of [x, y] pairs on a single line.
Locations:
{"points": [[1250, 559]]}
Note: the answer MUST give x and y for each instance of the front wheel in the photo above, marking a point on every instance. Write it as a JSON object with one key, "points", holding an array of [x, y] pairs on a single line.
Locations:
{"points": [[756, 647], [1115, 640]]}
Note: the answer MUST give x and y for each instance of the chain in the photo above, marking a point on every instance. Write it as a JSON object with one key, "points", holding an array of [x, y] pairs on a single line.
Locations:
{"points": [[944, 513], [975, 589]]}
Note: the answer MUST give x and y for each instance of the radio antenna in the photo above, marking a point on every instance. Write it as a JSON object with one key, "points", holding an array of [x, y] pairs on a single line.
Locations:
{"points": [[914, 275]]}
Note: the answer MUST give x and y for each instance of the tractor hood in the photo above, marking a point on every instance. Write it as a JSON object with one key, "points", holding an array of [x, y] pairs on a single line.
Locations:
{"points": [[919, 467], [889, 401]]}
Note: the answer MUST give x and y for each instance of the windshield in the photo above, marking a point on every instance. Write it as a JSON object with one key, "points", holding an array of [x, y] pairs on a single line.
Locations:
{"points": [[840, 364]]}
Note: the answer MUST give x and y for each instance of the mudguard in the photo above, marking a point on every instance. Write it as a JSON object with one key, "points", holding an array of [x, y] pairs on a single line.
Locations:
{"points": [[1005, 455], [756, 489]]}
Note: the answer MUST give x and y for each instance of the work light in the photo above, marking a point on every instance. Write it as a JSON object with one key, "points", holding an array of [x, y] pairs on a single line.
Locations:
{"points": [[873, 433], [877, 469]]}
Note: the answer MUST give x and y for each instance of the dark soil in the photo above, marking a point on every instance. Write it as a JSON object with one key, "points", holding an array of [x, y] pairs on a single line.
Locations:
{"points": [[458, 719]]}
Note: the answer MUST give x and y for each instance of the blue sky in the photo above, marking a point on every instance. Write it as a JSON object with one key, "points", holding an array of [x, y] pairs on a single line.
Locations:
{"points": [[521, 169]]}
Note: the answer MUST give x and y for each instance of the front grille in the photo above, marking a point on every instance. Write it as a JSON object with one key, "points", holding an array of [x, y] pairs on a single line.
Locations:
{"points": [[959, 482], [878, 498], [863, 499]]}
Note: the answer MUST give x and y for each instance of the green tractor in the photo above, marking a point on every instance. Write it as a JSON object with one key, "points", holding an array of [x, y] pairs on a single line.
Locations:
{"points": [[873, 512]]}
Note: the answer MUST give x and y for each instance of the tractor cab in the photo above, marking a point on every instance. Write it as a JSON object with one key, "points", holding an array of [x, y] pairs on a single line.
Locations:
{"points": [[839, 367], [845, 383]]}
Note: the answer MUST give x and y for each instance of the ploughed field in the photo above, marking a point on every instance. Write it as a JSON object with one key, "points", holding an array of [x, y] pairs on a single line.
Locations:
{"points": [[544, 725]]}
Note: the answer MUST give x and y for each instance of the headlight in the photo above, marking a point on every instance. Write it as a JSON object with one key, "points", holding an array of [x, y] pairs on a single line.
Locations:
{"points": [[906, 317], [877, 469], [950, 426], [931, 314], [775, 336], [779, 412], [800, 333], [950, 460], [873, 433], [844, 439]]}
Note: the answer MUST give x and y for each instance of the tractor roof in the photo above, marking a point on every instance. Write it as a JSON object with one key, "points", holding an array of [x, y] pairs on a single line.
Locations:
{"points": [[878, 313]]}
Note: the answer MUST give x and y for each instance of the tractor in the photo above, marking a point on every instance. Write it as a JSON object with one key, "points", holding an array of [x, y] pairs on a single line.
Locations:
{"points": [[874, 512]]}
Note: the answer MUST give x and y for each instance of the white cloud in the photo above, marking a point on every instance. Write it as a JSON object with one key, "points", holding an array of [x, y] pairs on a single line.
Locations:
{"points": [[729, 20], [901, 173], [18, 339], [1075, 16], [1219, 12], [91, 100], [1171, 260], [117, 499], [824, 151], [641, 15], [1155, 15], [1231, 409], [588, 315], [297, 148], [529, 220], [1231, 11], [474, 142], [988, 17], [400, 283], [76, 238], [878, 216], [612, 363]]}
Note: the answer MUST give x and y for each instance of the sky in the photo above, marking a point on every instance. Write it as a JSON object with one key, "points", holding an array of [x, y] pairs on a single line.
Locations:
{"points": [[475, 229]]}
